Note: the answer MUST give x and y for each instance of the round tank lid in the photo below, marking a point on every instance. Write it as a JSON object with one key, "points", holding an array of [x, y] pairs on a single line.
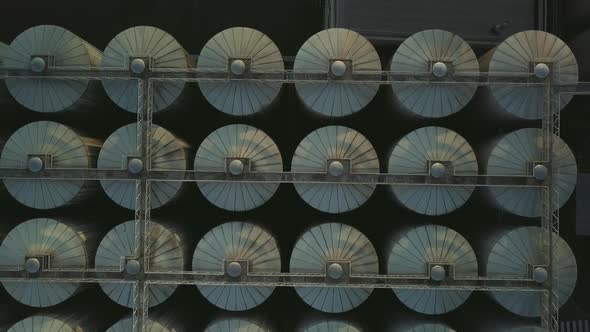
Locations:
{"points": [[439, 69], [238, 67], [38, 64], [336, 168], [32, 265], [35, 164], [437, 273], [138, 66], [335, 271], [438, 170], [542, 70], [132, 267], [234, 269], [540, 172], [338, 68], [540, 274], [135, 166], [236, 167]]}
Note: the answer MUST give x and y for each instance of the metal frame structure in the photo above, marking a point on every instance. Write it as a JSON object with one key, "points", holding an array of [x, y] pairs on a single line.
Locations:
{"points": [[145, 81]]}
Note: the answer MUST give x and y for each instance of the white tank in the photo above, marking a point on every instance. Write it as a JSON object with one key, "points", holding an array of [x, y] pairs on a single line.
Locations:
{"points": [[442, 54], [539, 53], [116, 251], [42, 323], [46, 144], [519, 253], [138, 49], [151, 325], [236, 248], [434, 252], [238, 149], [519, 153], [43, 47], [120, 151], [330, 326], [427, 327], [336, 250], [39, 244], [439, 152], [240, 51], [337, 151], [235, 324], [338, 52]]}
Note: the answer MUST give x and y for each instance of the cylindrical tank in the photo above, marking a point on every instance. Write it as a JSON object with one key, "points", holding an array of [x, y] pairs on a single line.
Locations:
{"points": [[39, 244], [238, 149], [536, 52], [434, 252], [48, 46], [236, 248], [46, 144], [240, 51], [235, 324], [439, 152], [338, 52], [426, 327], [337, 151], [330, 326], [138, 49], [120, 151], [44, 323], [116, 251], [336, 250], [151, 325], [519, 254], [443, 54], [519, 153]]}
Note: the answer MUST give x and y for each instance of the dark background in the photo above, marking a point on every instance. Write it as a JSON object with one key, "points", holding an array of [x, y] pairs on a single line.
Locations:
{"points": [[288, 24]]}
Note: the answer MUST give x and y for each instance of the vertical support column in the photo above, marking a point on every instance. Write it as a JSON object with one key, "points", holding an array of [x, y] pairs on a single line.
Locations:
{"points": [[143, 201]]}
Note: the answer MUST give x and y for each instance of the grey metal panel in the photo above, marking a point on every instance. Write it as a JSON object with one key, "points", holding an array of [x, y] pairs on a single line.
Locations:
{"points": [[515, 54], [411, 156], [335, 98], [67, 149], [333, 242], [238, 141], [417, 54], [514, 253], [165, 250], [167, 153], [335, 142], [43, 237], [240, 98], [242, 242], [430, 328], [164, 52], [126, 325], [331, 326], [67, 50], [40, 323], [412, 252], [234, 324], [513, 154]]}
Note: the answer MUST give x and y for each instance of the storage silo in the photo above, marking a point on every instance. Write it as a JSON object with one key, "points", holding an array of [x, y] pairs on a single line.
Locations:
{"points": [[519, 254], [43, 323], [336, 251], [139, 49], [443, 54], [46, 47], [435, 252], [151, 325], [40, 244], [427, 327], [519, 153], [329, 326], [337, 151], [237, 150], [235, 249], [235, 324], [240, 51], [43, 145], [441, 153], [116, 251], [539, 53], [339, 53], [120, 151]]}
